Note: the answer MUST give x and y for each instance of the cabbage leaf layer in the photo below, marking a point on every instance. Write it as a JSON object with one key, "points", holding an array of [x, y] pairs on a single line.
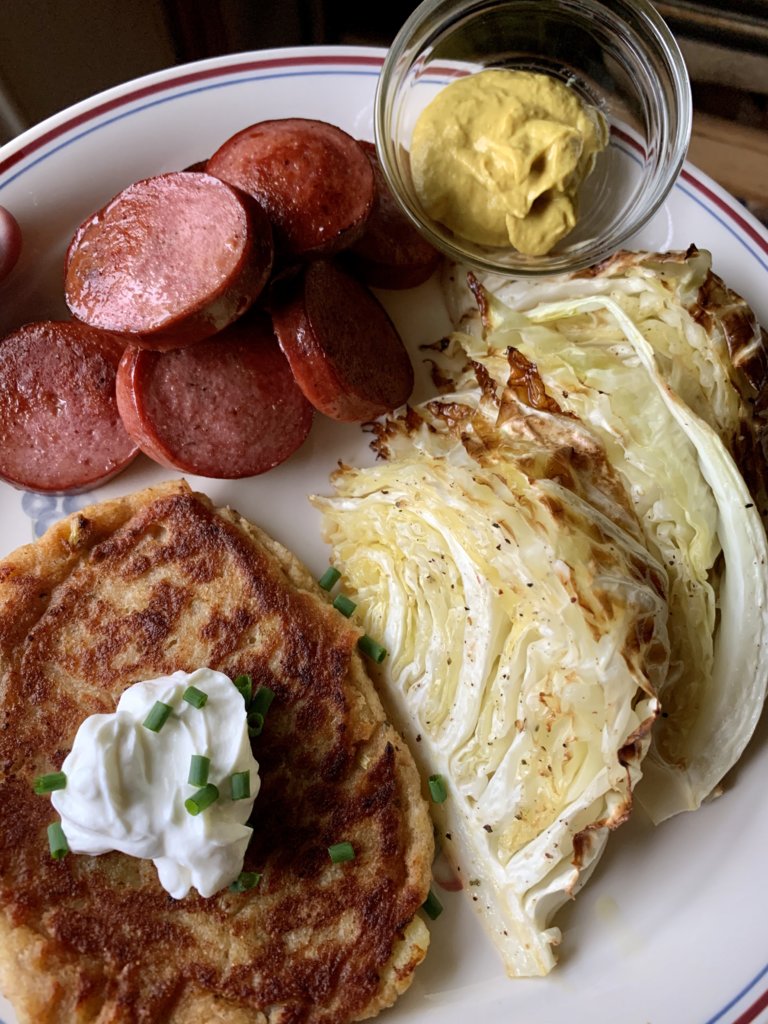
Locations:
{"points": [[564, 535], [664, 363], [496, 556]]}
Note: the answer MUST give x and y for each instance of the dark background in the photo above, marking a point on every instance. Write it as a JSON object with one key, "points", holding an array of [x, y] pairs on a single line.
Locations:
{"points": [[55, 52]]}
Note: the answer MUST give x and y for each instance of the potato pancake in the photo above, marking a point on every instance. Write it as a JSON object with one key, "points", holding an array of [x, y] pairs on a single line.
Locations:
{"points": [[140, 587]]}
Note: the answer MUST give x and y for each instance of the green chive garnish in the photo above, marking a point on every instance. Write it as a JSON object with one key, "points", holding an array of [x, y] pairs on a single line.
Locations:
{"points": [[240, 785], [158, 716], [374, 651], [259, 707], [202, 798], [255, 723], [245, 880], [244, 683], [341, 852], [329, 579], [199, 766], [432, 906], [197, 698], [262, 700], [437, 789], [57, 841], [343, 604], [48, 783]]}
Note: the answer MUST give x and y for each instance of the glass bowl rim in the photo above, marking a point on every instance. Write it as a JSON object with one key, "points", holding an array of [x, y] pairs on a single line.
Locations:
{"points": [[666, 169]]}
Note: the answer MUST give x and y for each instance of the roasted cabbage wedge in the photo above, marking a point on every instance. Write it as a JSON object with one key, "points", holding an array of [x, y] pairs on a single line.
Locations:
{"points": [[496, 555], [569, 531], [667, 366]]}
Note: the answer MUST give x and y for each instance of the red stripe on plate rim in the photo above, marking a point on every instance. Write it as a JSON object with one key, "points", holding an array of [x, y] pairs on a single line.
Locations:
{"points": [[185, 79], [756, 236], [751, 1013], [339, 60], [317, 60]]}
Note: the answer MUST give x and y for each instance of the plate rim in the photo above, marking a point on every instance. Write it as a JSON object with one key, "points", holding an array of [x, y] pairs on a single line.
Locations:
{"points": [[35, 138]]}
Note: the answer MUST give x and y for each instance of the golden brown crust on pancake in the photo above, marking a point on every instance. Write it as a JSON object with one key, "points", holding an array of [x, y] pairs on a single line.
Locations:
{"points": [[140, 587]]}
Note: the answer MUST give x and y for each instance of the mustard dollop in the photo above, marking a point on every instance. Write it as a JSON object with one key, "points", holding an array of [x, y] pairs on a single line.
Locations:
{"points": [[499, 156]]}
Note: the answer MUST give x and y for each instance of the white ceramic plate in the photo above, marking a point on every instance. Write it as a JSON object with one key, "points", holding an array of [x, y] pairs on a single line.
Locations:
{"points": [[673, 928]]}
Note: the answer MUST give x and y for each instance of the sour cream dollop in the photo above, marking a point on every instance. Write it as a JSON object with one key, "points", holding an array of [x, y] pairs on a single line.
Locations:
{"points": [[126, 785]]}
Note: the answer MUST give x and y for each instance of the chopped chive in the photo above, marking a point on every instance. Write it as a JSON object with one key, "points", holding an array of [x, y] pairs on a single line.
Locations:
{"points": [[158, 716], [344, 605], [197, 698], [244, 683], [374, 651], [329, 579], [255, 723], [199, 766], [240, 785], [201, 799], [437, 789], [262, 700], [48, 783], [245, 880], [57, 841], [432, 906], [341, 852]]}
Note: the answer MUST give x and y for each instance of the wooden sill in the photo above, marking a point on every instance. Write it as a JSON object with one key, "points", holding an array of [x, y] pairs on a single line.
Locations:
{"points": [[735, 155]]}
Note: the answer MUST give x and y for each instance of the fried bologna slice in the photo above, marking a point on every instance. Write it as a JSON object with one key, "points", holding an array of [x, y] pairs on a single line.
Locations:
{"points": [[137, 587], [170, 260], [345, 352], [391, 252], [226, 407], [312, 179]]}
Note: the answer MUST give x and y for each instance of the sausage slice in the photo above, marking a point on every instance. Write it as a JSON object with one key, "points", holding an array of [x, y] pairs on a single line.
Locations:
{"points": [[227, 407], [60, 430], [313, 180], [391, 252], [345, 352], [10, 242], [170, 260]]}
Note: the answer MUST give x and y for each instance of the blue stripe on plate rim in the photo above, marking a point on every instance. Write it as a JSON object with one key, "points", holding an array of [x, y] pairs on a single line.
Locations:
{"points": [[367, 66]]}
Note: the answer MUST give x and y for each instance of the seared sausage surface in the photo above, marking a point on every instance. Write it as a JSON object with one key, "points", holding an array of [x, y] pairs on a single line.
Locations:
{"points": [[391, 253], [10, 242], [344, 350], [227, 407], [60, 430], [314, 181], [170, 260]]}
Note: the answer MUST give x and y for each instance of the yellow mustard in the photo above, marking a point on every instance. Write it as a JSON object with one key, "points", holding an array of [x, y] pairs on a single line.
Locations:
{"points": [[498, 157]]}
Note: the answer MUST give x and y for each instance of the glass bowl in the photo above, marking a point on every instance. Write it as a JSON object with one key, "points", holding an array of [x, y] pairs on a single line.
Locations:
{"points": [[617, 55]]}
